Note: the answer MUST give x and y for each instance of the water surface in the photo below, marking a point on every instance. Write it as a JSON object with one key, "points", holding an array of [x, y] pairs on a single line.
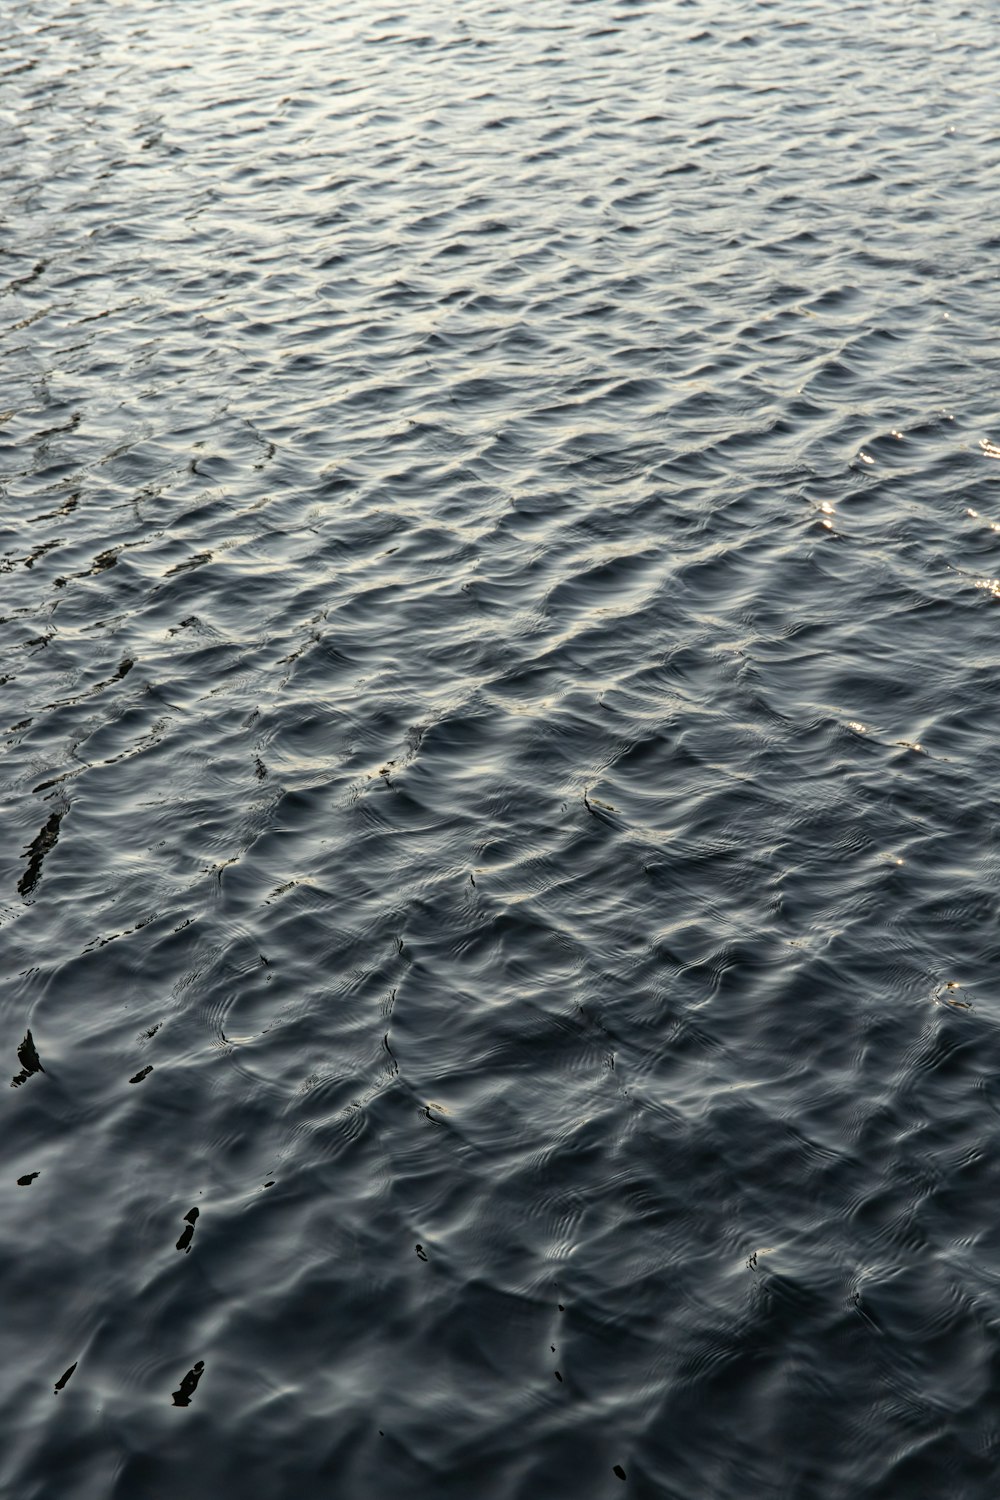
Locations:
{"points": [[499, 562]]}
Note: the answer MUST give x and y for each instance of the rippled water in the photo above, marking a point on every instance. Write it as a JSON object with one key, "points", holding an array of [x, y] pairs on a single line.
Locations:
{"points": [[501, 864]]}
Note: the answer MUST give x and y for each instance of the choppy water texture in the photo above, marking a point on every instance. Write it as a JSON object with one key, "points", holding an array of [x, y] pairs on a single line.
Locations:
{"points": [[500, 552]]}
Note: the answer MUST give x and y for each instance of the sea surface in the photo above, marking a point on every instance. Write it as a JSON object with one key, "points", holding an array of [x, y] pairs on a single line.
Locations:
{"points": [[500, 660]]}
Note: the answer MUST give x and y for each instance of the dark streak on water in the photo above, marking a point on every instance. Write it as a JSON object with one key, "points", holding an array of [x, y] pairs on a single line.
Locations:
{"points": [[499, 561], [46, 839]]}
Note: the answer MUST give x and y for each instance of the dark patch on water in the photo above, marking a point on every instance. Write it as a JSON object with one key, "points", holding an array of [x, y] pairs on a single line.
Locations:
{"points": [[189, 1384], [187, 1233], [27, 1056]]}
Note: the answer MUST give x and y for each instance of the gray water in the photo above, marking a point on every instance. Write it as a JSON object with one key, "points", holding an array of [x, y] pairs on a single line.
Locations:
{"points": [[500, 874]]}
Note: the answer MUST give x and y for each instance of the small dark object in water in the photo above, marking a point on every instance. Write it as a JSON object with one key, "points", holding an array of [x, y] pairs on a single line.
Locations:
{"points": [[187, 1233], [188, 1386], [27, 1056]]}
